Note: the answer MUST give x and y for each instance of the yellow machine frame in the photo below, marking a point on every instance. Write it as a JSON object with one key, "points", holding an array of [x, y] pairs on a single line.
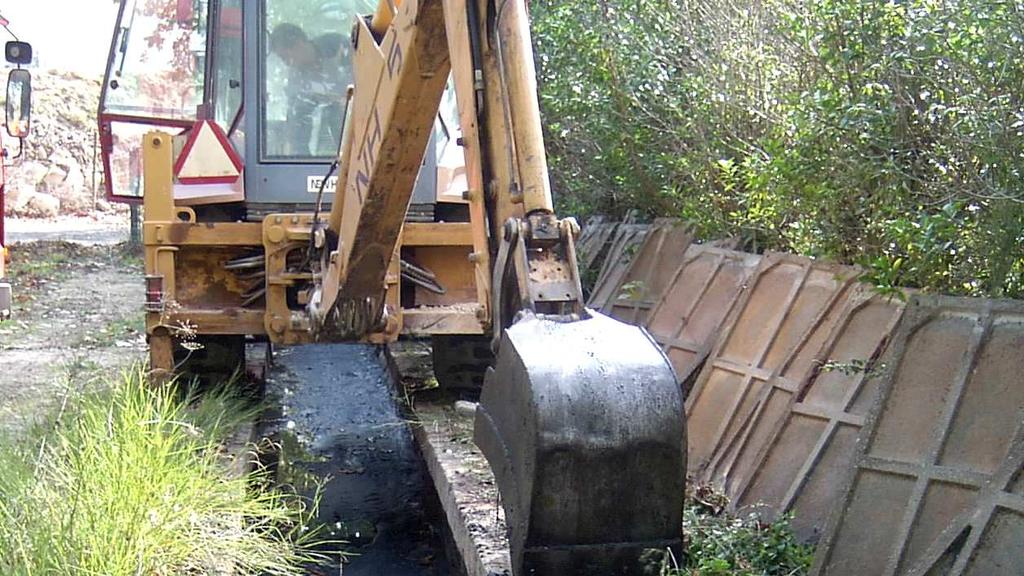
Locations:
{"points": [[184, 256]]}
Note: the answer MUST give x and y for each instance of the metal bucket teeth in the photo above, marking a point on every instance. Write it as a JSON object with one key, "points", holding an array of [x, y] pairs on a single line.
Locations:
{"points": [[583, 426]]}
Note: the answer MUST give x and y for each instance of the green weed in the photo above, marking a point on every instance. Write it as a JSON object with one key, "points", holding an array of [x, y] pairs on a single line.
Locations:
{"points": [[720, 544], [741, 546], [133, 480]]}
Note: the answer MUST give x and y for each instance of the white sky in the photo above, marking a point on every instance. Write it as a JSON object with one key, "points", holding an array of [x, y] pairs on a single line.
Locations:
{"points": [[70, 35]]}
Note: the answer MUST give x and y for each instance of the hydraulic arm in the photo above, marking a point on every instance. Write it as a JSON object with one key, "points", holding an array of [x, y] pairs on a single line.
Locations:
{"points": [[400, 72], [399, 75], [581, 418]]}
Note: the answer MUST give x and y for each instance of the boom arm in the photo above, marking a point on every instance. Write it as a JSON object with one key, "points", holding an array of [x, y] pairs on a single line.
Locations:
{"points": [[399, 81], [400, 72]]}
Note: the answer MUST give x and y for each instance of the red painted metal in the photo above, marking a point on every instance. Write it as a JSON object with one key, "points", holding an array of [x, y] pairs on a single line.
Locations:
{"points": [[107, 147], [230, 22]]}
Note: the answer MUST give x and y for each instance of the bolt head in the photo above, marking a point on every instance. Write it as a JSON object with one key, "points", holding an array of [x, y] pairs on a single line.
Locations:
{"points": [[275, 234], [277, 324]]}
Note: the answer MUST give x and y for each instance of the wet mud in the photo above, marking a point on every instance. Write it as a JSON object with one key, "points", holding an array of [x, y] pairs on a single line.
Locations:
{"points": [[338, 421]]}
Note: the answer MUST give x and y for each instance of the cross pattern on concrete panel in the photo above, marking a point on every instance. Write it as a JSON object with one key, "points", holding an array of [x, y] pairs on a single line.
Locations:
{"points": [[734, 460], [763, 331], [650, 271], [620, 255], [929, 448], [963, 547], [790, 453], [705, 286]]}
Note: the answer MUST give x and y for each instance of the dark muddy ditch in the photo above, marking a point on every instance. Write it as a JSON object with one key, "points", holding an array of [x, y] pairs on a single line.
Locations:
{"points": [[338, 422]]}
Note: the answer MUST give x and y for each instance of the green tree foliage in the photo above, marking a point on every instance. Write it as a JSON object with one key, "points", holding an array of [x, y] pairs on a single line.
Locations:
{"points": [[885, 134]]}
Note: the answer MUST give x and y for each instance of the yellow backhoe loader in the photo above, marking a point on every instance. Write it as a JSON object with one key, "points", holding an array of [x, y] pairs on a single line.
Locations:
{"points": [[301, 185]]}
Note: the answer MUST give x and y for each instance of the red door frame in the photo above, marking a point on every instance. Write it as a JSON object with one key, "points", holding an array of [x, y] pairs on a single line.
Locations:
{"points": [[107, 146]]}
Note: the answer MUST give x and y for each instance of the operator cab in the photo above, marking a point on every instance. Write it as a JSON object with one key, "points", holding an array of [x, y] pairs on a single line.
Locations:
{"points": [[273, 76]]}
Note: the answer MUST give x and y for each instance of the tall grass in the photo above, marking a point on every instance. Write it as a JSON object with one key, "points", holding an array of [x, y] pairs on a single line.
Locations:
{"points": [[132, 481]]}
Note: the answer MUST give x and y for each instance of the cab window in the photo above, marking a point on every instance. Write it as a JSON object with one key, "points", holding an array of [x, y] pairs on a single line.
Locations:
{"points": [[306, 68], [158, 64], [226, 64]]}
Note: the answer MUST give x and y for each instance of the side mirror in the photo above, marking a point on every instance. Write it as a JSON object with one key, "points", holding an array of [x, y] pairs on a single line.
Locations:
{"points": [[19, 102], [19, 53]]}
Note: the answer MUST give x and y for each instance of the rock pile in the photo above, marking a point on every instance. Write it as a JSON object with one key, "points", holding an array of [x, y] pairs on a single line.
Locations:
{"points": [[55, 174]]}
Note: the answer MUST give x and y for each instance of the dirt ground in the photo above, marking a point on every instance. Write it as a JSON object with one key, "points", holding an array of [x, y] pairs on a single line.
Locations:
{"points": [[97, 228], [77, 314]]}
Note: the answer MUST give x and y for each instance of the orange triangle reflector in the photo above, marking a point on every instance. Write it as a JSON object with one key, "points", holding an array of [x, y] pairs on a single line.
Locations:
{"points": [[208, 157]]}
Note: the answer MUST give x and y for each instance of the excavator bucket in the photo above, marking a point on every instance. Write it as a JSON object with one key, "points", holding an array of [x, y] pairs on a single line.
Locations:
{"points": [[583, 425]]}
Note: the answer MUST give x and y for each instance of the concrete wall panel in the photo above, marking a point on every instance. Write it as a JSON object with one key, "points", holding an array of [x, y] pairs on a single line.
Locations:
{"points": [[820, 309], [651, 272], [623, 249], [774, 331], [690, 313], [797, 462], [931, 490], [593, 243], [987, 537]]}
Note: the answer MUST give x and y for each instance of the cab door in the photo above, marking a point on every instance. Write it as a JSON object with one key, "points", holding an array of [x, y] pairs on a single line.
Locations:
{"points": [[167, 66]]}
